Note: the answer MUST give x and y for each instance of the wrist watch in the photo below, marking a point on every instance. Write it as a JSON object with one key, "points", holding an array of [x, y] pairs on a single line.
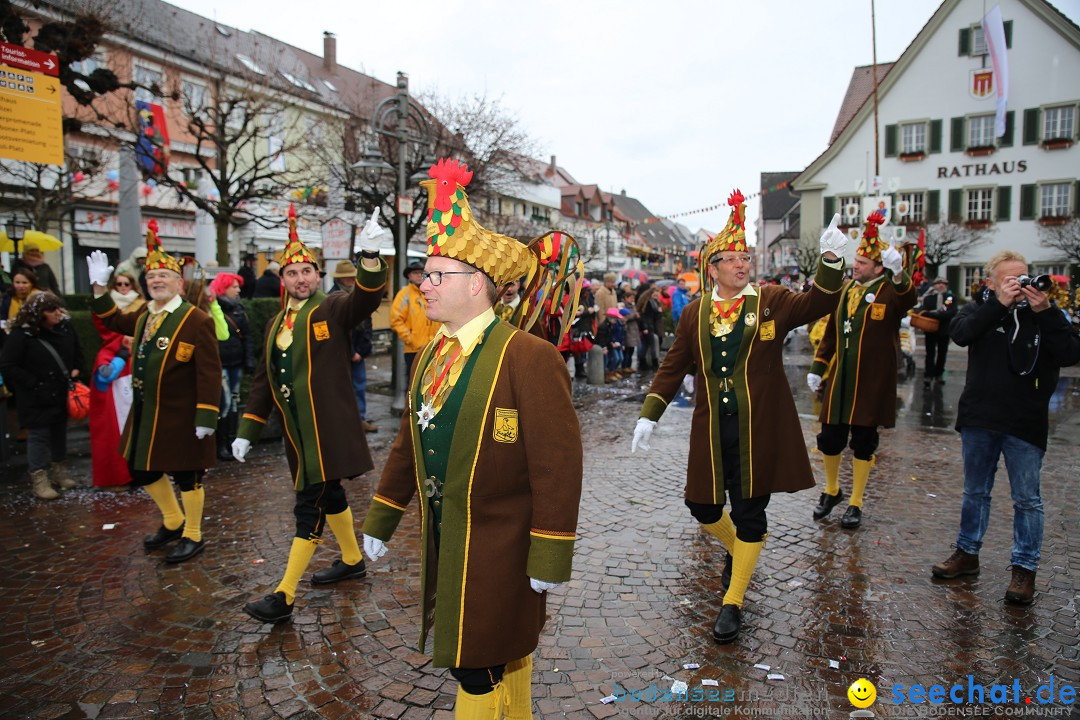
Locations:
{"points": [[370, 254]]}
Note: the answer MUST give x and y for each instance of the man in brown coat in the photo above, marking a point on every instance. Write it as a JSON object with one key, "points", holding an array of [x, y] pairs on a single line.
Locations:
{"points": [[745, 438], [491, 447], [305, 374], [176, 378], [861, 344]]}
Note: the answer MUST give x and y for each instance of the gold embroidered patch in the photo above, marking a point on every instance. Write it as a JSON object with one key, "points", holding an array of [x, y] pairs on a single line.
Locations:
{"points": [[184, 351], [322, 332], [506, 425], [877, 311], [768, 330]]}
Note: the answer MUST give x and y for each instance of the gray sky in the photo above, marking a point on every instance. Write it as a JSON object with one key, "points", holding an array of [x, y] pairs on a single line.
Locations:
{"points": [[675, 102]]}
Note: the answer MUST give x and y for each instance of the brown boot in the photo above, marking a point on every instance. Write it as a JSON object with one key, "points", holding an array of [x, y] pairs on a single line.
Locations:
{"points": [[1022, 588], [60, 477], [41, 487], [959, 563]]}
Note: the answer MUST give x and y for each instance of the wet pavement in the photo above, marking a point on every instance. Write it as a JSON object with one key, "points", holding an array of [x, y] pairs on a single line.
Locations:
{"points": [[93, 627]]}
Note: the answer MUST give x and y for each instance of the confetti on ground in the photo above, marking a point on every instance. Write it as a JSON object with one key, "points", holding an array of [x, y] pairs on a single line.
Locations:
{"points": [[609, 699], [795, 583], [556, 669], [690, 666], [258, 561], [108, 526], [37, 643], [774, 676], [930, 495], [679, 687], [763, 666], [711, 683], [834, 664]]}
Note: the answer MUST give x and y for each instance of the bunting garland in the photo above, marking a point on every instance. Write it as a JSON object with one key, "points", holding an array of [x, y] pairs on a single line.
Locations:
{"points": [[718, 206]]}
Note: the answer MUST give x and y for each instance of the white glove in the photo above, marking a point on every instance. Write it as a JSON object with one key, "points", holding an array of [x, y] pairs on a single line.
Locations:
{"points": [[832, 240], [893, 261], [642, 433], [541, 586], [371, 235], [203, 432], [688, 384], [813, 381], [98, 267], [240, 448], [374, 547]]}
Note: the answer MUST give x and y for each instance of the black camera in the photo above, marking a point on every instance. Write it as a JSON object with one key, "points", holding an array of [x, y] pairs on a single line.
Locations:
{"points": [[1042, 283]]}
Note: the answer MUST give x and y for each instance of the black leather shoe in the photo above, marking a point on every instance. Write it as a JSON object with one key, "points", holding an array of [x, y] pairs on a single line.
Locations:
{"points": [[185, 550], [852, 518], [162, 536], [727, 624], [271, 609], [826, 503], [725, 577], [340, 570]]}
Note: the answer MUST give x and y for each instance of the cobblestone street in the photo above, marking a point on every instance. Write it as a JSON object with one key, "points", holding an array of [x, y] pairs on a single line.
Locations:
{"points": [[93, 627]]}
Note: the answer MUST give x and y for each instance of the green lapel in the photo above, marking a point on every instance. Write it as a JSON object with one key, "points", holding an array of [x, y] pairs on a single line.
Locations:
{"points": [[742, 390], [712, 395]]}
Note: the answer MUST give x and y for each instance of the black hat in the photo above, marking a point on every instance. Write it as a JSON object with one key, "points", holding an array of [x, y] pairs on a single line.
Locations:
{"points": [[413, 267]]}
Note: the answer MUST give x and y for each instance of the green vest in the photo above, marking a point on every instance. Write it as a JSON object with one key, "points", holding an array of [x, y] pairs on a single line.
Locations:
{"points": [[281, 365], [725, 351]]}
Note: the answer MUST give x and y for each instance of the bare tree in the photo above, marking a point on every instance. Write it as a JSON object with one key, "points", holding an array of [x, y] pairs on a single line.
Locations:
{"points": [[806, 253], [45, 194], [1063, 238], [948, 240]]}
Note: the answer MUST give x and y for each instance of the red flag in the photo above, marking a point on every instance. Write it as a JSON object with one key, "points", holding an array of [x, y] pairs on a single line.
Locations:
{"points": [[919, 265]]}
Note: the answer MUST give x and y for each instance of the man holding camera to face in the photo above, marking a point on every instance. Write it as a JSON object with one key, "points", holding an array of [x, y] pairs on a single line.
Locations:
{"points": [[1016, 346]]}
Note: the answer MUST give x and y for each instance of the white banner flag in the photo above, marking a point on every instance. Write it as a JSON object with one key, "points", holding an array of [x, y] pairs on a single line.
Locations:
{"points": [[994, 32]]}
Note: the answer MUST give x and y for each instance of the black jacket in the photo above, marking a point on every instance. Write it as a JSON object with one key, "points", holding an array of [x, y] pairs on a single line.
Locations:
{"points": [[269, 285], [46, 278], [238, 350], [247, 290], [996, 396], [945, 313], [32, 372]]}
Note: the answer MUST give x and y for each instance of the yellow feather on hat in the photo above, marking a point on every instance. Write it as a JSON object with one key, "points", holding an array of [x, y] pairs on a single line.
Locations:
{"points": [[156, 257]]}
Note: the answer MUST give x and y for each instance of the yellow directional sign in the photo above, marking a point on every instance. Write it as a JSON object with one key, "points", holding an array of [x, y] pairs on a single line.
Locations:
{"points": [[30, 117]]}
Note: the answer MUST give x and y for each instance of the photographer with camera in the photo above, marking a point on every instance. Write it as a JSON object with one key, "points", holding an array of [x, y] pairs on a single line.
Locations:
{"points": [[1015, 350]]}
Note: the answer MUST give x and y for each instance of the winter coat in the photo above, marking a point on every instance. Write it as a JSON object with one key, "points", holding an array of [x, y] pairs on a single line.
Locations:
{"points": [[109, 409], [633, 328], [860, 351], [268, 285], [46, 278], [611, 331], [40, 385], [940, 306], [247, 288], [408, 318], [509, 501], [239, 349], [605, 298], [996, 396], [771, 442]]}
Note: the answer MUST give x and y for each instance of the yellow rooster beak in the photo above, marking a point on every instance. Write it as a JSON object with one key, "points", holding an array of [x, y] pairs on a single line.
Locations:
{"points": [[429, 184]]}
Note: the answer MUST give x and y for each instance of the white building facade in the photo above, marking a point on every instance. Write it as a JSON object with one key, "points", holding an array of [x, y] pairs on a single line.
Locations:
{"points": [[940, 157]]}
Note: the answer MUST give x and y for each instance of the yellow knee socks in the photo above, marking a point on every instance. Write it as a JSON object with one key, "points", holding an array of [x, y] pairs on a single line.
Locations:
{"points": [[161, 493], [832, 473], [489, 706], [341, 525], [723, 530], [299, 557], [518, 681], [193, 508], [860, 473], [744, 560]]}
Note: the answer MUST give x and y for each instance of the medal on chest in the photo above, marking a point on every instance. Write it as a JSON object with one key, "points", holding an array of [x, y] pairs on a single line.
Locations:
{"points": [[425, 415], [847, 327]]}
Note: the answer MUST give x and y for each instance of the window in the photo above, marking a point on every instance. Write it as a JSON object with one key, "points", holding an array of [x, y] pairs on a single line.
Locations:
{"points": [[980, 205], [1050, 270], [329, 86], [842, 204], [980, 131], [916, 203], [193, 95], [250, 64], [237, 116], [1058, 122], [972, 275], [493, 205], [86, 67], [1054, 201], [978, 37], [147, 77], [577, 208], [913, 138]]}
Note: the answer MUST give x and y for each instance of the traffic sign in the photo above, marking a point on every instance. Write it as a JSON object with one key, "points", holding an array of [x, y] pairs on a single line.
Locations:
{"points": [[31, 127]]}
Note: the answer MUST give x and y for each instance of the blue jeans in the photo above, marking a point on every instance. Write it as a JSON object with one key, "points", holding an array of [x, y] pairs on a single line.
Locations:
{"points": [[982, 448], [613, 360], [359, 384], [230, 389]]}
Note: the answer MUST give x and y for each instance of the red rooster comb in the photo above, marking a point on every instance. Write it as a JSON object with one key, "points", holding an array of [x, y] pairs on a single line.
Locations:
{"points": [[876, 218], [736, 198], [450, 171], [292, 223]]}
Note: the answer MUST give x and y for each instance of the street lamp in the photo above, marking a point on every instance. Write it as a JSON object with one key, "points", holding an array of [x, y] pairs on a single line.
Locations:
{"points": [[15, 233], [401, 118]]}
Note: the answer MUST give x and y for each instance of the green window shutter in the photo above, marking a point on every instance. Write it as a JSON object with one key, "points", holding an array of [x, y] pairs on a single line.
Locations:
{"points": [[1031, 126], [1008, 34], [965, 41], [935, 135], [1027, 202], [1076, 199], [1010, 126], [956, 135], [830, 210], [890, 140], [933, 206], [956, 199], [1004, 203], [954, 276]]}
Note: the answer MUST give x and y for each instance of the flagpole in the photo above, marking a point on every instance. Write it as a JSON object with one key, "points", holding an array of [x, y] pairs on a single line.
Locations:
{"points": [[873, 36]]}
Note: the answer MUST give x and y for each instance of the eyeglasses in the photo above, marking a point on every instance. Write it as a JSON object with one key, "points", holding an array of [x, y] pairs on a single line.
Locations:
{"points": [[732, 260], [435, 277], [123, 284]]}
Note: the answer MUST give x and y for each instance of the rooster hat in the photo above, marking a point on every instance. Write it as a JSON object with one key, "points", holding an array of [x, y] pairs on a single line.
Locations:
{"points": [[156, 257], [871, 245], [295, 250], [732, 237], [453, 232]]}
